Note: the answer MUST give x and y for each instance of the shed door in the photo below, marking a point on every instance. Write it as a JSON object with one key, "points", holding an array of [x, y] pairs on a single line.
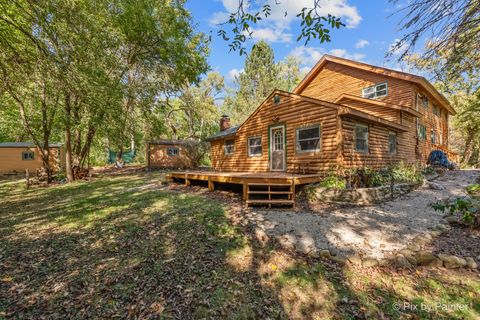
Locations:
{"points": [[277, 148]]}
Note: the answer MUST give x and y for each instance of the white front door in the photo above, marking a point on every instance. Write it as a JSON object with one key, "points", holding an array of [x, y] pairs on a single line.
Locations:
{"points": [[277, 148]]}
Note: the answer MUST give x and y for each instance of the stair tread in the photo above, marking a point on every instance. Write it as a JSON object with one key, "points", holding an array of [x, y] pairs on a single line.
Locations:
{"points": [[270, 201], [266, 184], [268, 192]]}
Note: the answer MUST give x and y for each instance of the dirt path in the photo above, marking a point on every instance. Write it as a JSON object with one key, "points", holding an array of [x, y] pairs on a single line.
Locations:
{"points": [[372, 231]]}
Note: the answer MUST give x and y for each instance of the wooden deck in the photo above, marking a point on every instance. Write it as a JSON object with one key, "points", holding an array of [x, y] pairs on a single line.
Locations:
{"points": [[271, 185]]}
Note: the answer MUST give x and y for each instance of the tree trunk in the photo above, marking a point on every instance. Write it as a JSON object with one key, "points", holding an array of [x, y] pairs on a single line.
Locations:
{"points": [[469, 144], [68, 140]]}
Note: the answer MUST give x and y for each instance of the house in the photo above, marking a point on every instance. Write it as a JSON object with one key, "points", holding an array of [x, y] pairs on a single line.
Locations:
{"points": [[167, 154], [343, 114], [16, 157]]}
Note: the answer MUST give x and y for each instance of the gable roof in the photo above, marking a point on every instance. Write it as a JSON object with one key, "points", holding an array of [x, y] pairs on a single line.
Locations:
{"points": [[342, 111], [421, 81], [25, 145]]}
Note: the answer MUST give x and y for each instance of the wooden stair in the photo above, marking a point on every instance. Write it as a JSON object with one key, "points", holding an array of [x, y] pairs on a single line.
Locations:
{"points": [[269, 194]]}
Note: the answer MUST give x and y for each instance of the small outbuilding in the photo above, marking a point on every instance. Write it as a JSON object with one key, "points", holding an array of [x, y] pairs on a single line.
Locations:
{"points": [[16, 157], [167, 154]]}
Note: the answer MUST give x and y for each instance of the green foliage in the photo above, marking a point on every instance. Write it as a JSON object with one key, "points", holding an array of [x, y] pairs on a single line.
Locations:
{"points": [[473, 189], [397, 173], [466, 207], [333, 181]]}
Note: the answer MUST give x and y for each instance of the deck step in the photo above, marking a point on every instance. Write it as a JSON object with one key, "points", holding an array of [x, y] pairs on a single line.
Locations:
{"points": [[266, 184], [267, 201], [268, 192]]}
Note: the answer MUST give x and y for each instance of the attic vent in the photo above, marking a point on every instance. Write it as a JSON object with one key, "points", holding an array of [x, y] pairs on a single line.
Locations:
{"points": [[276, 99]]}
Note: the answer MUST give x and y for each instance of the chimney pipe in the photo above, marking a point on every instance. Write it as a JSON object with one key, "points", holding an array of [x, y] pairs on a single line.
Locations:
{"points": [[224, 123]]}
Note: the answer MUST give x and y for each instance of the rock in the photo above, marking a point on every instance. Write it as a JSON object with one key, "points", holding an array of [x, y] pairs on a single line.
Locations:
{"points": [[435, 186], [383, 262], [261, 236], [412, 260], [339, 260], [287, 241], [414, 247], [325, 253], [369, 262], [406, 252], [451, 219], [442, 227], [452, 262], [471, 264], [435, 233], [402, 262], [355, 259], [424, 258]]}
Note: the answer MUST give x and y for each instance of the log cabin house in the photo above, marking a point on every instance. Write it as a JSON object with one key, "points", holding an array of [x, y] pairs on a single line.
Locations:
{"points": [[343, 114], [17, 157]]}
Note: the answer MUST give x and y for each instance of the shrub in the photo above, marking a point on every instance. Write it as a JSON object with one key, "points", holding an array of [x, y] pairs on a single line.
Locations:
{"points": [[333, 181], [467, 207]]}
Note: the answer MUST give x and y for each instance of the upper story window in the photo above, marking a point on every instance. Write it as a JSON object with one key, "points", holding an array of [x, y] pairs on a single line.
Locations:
{"points": [[173, 151], [436, 110], [308, 139], [422, 132], [361, 138], [254, 146], [229, 147], [28, 155], [375, 91], [392, 142], [433, 136], [425, 102]]}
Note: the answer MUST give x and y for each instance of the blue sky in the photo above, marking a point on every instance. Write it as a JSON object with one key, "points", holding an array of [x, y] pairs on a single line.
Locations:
{"points": [[367, 37]]}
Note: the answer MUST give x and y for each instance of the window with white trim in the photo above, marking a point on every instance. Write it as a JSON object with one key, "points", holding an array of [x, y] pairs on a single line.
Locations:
{"points": [[229, 147], [422, 132], [361, 138], [436, 110], [308, 139], [28, 155], [433, 136], [425, 101], [173, 151], [440, 138], [375, 91], [255, 146], [392, 142]]}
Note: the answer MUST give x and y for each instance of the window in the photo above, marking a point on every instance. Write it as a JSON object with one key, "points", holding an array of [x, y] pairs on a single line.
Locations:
{"points": [[308, 139], [422, 132], [173, 151], [419, 101], [229, 147], [28, 155], [433, 136], [361, 138], [254, 146], [425, 102], [375, 91], [440, 138], [276, 99], [392, 142], [436, 110]]}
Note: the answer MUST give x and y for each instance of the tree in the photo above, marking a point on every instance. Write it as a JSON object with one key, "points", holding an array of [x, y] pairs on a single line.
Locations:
{"points": [[452, 26], [314, 25]]}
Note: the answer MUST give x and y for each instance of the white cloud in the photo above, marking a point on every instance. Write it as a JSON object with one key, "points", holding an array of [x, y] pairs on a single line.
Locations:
{"points": [[233, 74], [271, 35], [342, 53], [398, 48], [275, 28], [307, 56], [362, 43]]}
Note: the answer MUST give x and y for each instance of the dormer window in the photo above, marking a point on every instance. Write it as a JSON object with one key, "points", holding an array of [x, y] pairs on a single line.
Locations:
{"points": [[375, 91]]}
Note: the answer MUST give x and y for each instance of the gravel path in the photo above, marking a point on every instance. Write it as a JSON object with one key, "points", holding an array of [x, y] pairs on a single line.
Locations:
{"points": [[372, 231]]}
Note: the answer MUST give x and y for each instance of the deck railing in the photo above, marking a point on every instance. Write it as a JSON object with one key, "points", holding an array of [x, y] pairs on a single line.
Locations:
{"points": [[452, 156]]}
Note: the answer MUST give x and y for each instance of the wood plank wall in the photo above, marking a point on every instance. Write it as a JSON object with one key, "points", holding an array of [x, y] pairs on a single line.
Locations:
{"points": [[158, 157], [11, 160], [294, 113]]}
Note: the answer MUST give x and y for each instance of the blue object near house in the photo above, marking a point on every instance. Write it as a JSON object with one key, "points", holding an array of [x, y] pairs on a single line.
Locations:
{"points": [[128, 157], [439, 158]]}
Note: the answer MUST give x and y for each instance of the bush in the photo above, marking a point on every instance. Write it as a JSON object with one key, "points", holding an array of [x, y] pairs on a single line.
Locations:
{"points": [[468, 208], [333, 182]]}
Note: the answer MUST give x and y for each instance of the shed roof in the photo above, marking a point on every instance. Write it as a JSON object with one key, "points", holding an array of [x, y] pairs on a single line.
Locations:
{"points": [[25, 145], [169, 142]]}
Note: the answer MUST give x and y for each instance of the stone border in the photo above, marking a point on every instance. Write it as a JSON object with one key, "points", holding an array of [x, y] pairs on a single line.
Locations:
{"points": [[410, 257], [363, 196]]}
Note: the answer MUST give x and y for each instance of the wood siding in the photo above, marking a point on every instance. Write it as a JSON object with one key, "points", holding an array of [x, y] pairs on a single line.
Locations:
{"points": [[11, 160], [159, 158], [293, 113]]}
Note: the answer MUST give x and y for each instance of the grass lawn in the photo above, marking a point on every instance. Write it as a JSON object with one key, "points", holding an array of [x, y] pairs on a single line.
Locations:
{"points": [[124, 246]]}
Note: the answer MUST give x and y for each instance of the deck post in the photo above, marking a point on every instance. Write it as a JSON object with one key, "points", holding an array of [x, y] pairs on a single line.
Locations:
{"points": [[245, 190], [293, 192], [187, 182], [211, 184]]}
